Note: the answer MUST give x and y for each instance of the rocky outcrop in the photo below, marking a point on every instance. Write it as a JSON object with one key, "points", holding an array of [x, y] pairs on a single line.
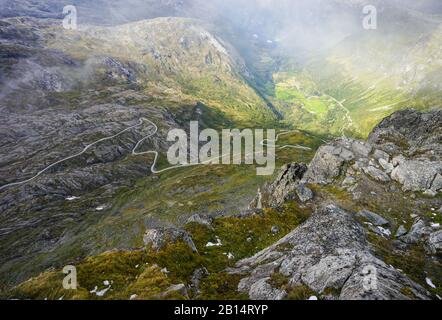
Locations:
{"points": [[373, 218], [329, 252], [410, 156], [286, 186], [327, 164], [418, 175], [410, 132], [434, 244], [195, 281], [418, 233], [157, 239], [421, 234], [179, 289], [201, 219]]}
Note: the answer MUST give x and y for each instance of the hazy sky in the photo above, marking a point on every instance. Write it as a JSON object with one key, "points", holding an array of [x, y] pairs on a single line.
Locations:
{"points": [[293, 22]]}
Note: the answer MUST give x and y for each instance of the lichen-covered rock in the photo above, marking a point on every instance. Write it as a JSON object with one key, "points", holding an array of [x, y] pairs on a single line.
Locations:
{"points": [[326, 166], [159, 238], [304, 193], [434, 243], [180, 289], [387, 166], [410, 131], [417, 233], [401, 231], [349, 181], [282, 189], [329, 251], [363, 149], [195, 281], [381, 155], [262, 290], [201, 219], [417, 175], [376, 174], [374, 218]]}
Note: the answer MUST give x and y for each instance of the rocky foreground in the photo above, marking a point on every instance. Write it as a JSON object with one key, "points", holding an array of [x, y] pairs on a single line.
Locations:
{"points": [[331, 251], [361, 221]]}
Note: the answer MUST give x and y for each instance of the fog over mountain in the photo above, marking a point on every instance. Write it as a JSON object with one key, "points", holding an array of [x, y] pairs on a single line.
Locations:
{"points": [[306, 23], [85, 178]]}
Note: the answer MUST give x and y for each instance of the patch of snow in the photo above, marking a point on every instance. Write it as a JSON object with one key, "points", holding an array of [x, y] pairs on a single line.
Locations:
{"points": [[133, 297], [430, 283], [229, 255], [106, 282], [385, 232], [102, 292], [72, 198], [217, 244], [313, 298], [435, 225], [100, 208]]}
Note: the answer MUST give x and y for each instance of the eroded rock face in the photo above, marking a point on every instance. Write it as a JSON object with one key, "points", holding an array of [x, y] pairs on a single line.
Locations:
{"points": [[283, 188], [329, 251]]}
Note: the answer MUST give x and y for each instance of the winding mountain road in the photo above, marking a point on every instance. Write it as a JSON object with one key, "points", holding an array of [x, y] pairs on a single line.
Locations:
{"points": [[265, 142]]}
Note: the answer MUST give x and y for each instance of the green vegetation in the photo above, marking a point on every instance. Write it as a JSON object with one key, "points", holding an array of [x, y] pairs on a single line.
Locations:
{"points": [[148, 274]]}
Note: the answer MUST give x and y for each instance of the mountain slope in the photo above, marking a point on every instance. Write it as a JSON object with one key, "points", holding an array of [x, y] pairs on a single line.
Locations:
{"points": [[322, 243], [67, 91]]}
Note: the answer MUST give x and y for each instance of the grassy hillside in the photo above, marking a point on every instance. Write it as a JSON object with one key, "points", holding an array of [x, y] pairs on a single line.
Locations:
{"points": [[175, 56], [361, 81]]}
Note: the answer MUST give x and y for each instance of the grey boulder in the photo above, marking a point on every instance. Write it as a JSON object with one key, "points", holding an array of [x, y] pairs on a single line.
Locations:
{"points": [[373, 218], [329, 251]]}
